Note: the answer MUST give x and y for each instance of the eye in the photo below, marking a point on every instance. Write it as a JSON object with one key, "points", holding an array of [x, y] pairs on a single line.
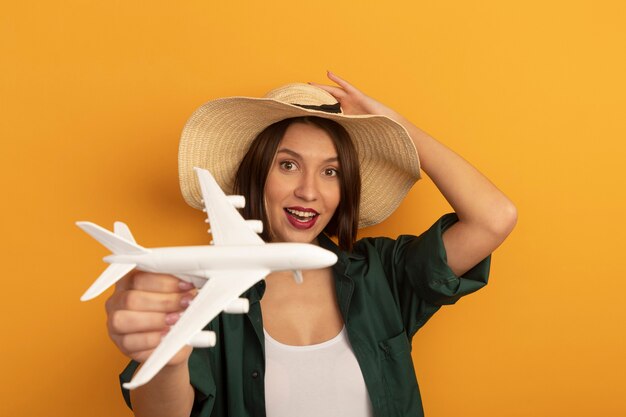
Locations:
{"points": [[331, 172], [288, 165]]}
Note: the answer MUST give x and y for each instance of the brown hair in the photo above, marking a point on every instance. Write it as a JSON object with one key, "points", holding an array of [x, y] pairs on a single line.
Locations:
{"points": [[255, 166]]}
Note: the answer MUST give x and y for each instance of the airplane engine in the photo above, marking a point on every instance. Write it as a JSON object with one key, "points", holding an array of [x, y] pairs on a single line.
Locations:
{"points": [[255, 225], [203, 339], [238, 306], [238, 201]]}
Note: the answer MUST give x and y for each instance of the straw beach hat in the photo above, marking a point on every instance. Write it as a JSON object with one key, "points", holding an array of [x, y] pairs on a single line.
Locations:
{"points": [[218, 135]]}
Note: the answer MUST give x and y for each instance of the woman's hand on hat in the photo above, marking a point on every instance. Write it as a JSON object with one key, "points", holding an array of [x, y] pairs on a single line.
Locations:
{"points": [[141, 311], [352, 100]]}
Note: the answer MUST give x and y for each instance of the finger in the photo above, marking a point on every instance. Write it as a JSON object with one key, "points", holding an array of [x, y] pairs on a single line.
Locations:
{"points": [[126, 282], [141, 356], [341, 82], [332, 89], [137, 342], [339, 94], [124, 321], [150, 301], [148, 281]]}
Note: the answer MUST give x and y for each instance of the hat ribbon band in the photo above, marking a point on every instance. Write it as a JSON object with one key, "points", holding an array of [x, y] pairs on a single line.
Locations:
{"points": [[328, 108]]}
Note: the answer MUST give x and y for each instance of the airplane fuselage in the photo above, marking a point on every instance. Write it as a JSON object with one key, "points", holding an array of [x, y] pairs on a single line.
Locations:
{"points": [[199, 261]]}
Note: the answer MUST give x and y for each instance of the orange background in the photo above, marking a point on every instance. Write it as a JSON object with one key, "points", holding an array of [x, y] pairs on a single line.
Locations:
{"points": [[93, 98]]}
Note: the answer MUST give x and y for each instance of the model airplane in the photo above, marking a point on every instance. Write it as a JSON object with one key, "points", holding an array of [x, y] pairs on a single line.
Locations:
{"points": [[237, 259]]}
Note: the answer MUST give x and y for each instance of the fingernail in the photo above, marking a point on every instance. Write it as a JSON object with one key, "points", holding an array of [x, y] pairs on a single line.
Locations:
{"points": [[172, 318], [186, 301], [185, 286]]}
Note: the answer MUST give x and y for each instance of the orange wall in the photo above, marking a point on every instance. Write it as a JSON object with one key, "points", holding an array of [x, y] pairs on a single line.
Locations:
{"points": [[93, 97]]}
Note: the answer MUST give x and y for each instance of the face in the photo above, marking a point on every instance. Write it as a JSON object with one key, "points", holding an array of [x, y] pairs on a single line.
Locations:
{"points": [[302, 188]]}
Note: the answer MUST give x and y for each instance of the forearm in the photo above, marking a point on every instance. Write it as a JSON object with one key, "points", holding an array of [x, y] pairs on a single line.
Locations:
{"points": [[486, 215], [168, 394], [474, 198]]}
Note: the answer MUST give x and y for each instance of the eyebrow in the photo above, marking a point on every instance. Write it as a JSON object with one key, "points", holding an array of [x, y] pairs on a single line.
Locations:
{"points": [[297, 155]]}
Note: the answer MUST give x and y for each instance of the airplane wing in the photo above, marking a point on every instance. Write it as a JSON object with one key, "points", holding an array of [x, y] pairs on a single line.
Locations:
{"points": [[222, 288], [227, 225]]}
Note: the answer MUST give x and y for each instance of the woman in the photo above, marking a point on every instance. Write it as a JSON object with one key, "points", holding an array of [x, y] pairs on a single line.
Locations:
{"points": [[338, 344]]}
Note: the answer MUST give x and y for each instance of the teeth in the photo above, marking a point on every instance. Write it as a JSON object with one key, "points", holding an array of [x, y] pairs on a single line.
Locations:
{"points": [[301, 213]]}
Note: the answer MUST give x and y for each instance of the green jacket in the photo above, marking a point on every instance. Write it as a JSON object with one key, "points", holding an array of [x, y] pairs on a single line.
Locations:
{"points": [[387, 289]]}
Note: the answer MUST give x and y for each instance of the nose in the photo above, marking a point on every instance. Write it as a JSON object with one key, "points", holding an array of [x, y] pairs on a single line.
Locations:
{"points": [[307, 187]]}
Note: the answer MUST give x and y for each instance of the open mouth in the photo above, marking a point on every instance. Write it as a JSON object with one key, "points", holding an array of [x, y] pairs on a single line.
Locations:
{"points": [[301, 218]]}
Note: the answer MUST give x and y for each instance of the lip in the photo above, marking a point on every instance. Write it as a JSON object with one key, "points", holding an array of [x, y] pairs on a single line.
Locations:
{"points": [[299, 224]]}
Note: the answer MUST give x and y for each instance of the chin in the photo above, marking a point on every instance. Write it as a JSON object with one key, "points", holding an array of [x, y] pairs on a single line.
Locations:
{"points": [[297, 236]]}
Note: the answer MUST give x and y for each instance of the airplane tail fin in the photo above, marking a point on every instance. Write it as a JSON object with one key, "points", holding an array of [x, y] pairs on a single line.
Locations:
{"points": [[120, 242], [121, 230]]}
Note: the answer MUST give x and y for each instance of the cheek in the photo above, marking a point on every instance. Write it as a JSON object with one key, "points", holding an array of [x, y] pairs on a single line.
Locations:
{"points": [[270, 204], [272, 194], [333, 196]]}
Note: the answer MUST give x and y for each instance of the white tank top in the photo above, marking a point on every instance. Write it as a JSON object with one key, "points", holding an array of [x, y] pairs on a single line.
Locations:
{"points": [[315, 380]]}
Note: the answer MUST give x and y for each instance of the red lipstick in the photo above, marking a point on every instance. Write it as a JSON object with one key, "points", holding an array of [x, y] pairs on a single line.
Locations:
{"points": [[301, 218]]}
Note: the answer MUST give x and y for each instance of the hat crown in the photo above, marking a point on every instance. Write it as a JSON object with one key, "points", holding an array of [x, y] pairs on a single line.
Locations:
{"points": [[301, 94]]}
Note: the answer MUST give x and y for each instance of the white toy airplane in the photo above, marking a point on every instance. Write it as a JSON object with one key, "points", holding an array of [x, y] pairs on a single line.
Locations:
{"points": [[236, 261]]}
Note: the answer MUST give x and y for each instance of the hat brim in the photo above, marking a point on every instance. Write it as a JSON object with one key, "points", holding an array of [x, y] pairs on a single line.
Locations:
{"points": [[218, 134]]}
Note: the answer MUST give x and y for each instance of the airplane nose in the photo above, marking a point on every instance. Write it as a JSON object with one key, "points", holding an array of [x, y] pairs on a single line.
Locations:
{"points": [[312, 257], [327, 257]]}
